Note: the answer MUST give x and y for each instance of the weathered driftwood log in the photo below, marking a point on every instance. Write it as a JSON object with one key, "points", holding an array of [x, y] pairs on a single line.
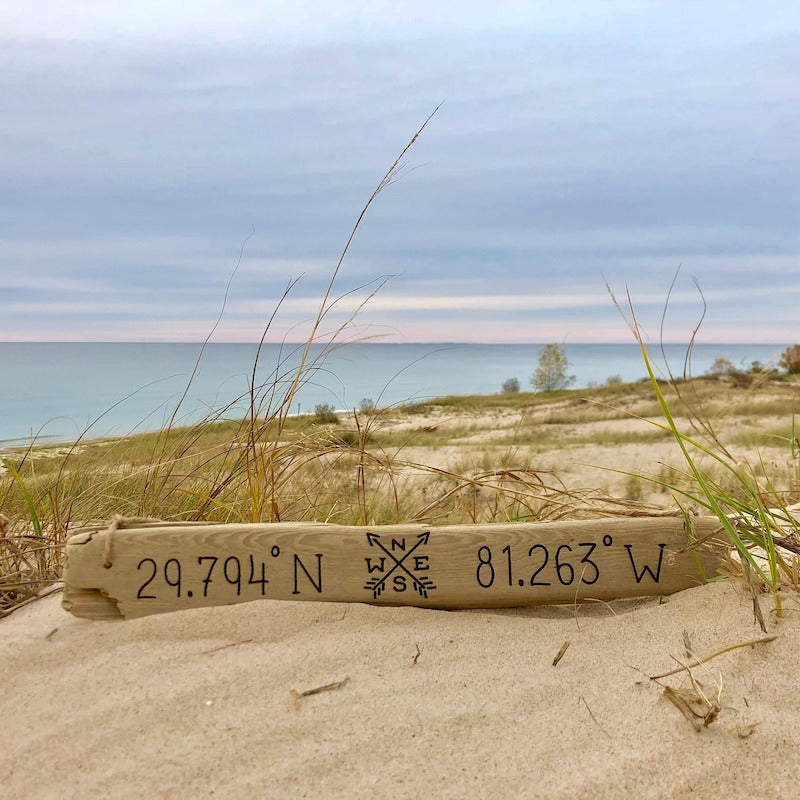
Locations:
{"points": [[133, 569]]}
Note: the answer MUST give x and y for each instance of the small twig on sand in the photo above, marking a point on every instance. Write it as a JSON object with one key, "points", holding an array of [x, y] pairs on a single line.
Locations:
{"points": [[694, 704], [594, 718], [560, 653], [225, 646], [697, 661], [328, 687]]}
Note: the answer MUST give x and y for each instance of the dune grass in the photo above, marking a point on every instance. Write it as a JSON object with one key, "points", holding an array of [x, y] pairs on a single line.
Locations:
{"points": [[473, 460], [752, 510]]}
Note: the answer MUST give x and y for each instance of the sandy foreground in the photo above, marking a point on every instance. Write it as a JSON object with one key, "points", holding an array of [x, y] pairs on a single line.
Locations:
{"points": [[424, 703]]}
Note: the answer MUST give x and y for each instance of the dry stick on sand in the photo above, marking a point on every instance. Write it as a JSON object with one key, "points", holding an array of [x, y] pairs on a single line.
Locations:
{"points": [[696, 662], [459, 566], [582, 699], [226, 646], [694, 705], [328, 687], [560, 653]]}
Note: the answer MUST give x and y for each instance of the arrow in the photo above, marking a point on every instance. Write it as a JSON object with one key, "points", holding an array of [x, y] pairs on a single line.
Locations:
{"points": [[374, 538]]}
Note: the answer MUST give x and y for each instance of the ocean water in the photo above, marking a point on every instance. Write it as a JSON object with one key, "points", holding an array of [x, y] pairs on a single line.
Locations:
{"points": [[56, 391]]}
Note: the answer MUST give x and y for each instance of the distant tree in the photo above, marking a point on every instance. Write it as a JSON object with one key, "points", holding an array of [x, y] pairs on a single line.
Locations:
{"points": [[325, 414], [760, 368], [510, 385], [551, 373], [613, 380], [367, 406], [790, 360], [721, 366]]}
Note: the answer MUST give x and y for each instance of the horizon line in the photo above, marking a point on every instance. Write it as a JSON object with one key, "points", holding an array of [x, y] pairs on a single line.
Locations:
{"points": [[303, 342]]}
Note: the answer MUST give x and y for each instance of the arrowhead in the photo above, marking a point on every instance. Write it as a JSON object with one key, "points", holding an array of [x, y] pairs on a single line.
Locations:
{"points": [[372, 538], [423, 537]]}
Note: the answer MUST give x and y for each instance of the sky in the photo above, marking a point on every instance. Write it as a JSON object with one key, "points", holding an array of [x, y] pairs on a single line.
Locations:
{"points": [[578, 146]]}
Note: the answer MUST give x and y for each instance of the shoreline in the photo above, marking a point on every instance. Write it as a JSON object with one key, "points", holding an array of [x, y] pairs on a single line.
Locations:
{"points": [[123, 389], [604, 444]]}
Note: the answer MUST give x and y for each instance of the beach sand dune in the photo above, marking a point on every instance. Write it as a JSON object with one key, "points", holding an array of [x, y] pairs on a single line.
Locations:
{"points": [[412, 702]]}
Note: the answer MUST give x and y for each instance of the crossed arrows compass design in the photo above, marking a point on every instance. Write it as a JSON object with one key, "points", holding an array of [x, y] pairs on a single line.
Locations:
{"points": [[378, 584]]}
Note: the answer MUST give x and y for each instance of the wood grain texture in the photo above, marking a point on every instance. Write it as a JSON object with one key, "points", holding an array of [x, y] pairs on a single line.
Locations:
{"points": [[126, 572]]}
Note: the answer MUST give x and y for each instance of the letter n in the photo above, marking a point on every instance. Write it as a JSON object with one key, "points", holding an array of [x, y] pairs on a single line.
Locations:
{"points": [[317, 584]]}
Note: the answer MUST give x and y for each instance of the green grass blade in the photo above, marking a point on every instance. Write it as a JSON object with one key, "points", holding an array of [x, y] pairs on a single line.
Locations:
{"points": [[35, 521]]}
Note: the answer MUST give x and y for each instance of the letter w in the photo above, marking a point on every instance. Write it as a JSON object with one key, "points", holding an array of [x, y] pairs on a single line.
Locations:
{"points": [[646, 570], [379, 567]]}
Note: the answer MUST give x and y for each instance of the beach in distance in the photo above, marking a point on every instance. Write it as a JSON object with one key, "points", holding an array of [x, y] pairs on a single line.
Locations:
{"points": [[55, 391]]}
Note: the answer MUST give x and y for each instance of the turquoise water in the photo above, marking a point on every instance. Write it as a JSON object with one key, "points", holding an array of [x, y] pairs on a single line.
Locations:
{"points": [[57, 390]]}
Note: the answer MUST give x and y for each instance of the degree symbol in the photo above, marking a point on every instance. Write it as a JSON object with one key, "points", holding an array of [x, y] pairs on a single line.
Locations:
{"points": [[607, 540], [276, 551]]}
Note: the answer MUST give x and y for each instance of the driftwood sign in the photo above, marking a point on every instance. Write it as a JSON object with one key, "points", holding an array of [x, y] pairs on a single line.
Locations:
{"points": [[132, 569]]}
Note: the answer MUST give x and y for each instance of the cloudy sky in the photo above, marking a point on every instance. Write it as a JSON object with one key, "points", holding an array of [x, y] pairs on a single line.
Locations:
{"points": [[582, 142]]}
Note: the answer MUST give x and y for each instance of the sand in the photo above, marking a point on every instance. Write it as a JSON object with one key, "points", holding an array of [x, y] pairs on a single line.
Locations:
{"points": [[431, 704]]}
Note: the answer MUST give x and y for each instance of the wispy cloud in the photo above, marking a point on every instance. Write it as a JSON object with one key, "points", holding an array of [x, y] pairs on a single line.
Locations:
{"points": [[140, 145]]}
